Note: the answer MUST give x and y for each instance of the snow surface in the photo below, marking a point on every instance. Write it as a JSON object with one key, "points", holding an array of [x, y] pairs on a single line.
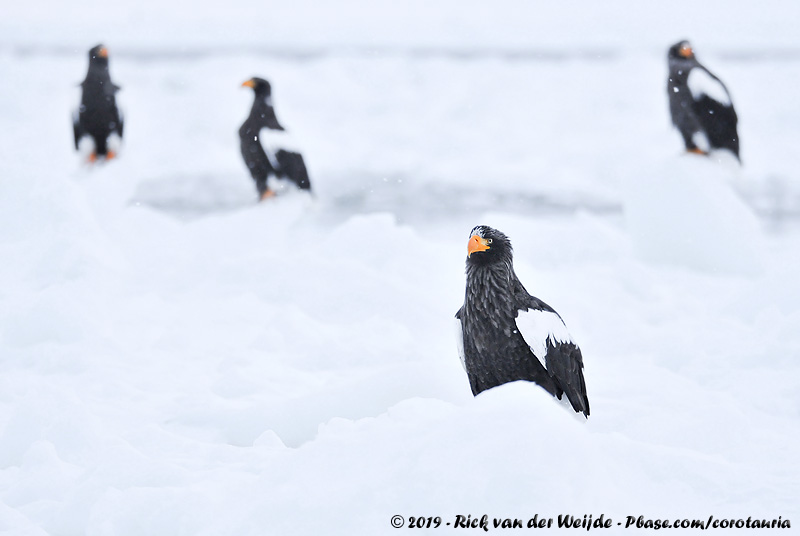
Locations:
{"points": [[177, 359]]}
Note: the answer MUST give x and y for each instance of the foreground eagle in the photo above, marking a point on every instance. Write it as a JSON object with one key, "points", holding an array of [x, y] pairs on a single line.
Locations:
{"points": [[265, 145], [700, 104], [506, 334], [98, 117]]}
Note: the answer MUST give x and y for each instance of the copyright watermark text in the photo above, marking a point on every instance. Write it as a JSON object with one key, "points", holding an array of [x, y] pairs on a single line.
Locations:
{"points": [[588, 522]]}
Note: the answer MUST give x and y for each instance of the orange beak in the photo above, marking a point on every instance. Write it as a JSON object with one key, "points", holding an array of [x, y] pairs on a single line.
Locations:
{"points": [[103, 52], [249, 84], [686, 51], [476, 243]]}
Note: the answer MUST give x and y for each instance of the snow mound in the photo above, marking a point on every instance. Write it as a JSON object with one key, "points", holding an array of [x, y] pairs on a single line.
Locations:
{"points": [[176, 358], [684, 212]]}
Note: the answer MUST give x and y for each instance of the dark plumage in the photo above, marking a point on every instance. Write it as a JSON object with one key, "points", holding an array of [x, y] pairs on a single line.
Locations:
{"points": [[506, 334], [98, 116], [264, 144], [700, 104]]}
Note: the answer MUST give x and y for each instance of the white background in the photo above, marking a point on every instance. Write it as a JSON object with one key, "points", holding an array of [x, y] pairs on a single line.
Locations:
{"points": [[176, 359]]}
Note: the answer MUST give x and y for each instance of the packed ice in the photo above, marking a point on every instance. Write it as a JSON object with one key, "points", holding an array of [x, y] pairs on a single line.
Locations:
{"points": [[177, 358]]}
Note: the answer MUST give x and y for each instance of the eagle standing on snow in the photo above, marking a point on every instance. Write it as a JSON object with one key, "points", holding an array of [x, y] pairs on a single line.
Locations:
{"points": [[98, 117], [506, 334], [265, 144], [700, 104]]}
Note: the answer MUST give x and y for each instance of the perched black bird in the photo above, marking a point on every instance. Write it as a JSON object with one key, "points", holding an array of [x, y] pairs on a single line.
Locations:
{"points": [[505, 334], [700, 104], [98, 117], [265, 144]]}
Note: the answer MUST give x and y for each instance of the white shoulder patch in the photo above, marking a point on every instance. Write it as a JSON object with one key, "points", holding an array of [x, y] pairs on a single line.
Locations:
{"points": [[273, 141], [460, 343], [701, 83], [537, 326]]}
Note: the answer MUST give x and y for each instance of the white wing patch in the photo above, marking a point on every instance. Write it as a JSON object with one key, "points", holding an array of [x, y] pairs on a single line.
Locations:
{"points": [[537, 326], [273, 141], [701, 83], [460, 343]]}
